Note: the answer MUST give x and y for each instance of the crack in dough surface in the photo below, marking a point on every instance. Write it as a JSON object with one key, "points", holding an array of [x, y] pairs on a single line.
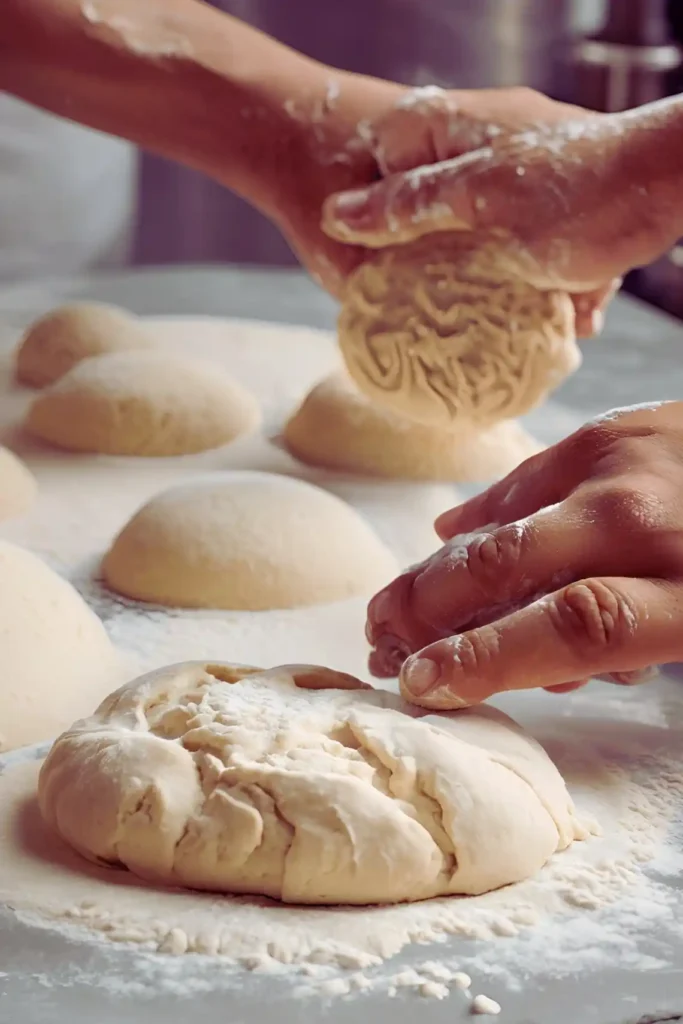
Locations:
{"points": [[220, 778]]}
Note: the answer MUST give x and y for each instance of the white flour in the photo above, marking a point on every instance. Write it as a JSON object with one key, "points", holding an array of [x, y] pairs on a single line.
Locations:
{"points": [[587, 909]]}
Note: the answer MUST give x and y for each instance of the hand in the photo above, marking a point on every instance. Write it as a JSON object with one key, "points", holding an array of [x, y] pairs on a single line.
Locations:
{"points": [[569, 568], [507, 159], [331, 151]]}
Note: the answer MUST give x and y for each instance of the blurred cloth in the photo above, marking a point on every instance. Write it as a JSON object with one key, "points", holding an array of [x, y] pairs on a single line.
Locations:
{"points": [[67, 195]]}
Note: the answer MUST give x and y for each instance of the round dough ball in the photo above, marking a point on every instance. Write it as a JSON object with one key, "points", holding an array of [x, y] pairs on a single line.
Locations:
{"points": [[437, 331], [69, 334], [143, 403], [17, 485], [56, 659], [249, 541], [338, 427], [234, 781]]}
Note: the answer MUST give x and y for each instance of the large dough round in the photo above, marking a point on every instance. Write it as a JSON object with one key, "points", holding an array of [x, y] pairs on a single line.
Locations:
{"points": [[339, 427], [71, 333], [143, 403], [216, 777], [247, 540], [56, 660], [437, 331], [17, 485]]}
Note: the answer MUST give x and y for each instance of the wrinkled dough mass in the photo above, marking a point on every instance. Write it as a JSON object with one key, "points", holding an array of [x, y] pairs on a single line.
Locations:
{"points": [[438, 331], [65, 336], [338, 427], [145, 404], [247, 541], [224, 778]]}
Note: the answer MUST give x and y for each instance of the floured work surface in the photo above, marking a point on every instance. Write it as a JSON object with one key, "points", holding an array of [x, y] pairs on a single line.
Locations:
{"points": [[594, 937]]}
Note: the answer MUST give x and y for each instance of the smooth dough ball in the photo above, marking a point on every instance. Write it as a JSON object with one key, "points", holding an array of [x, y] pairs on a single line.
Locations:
{"points": [[249, 541], [17, 485], [338, 427], [69, 334], [217, 778], [143, 403], [437, 331], [56, 660]]}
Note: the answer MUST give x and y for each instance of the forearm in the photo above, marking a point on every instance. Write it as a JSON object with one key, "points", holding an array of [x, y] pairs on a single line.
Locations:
{"points": [[175, 76]]}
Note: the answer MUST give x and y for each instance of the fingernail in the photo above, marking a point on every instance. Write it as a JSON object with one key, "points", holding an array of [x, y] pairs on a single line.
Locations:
{"points": [[388, 657], [419, 675], [351, 206], [379, 609]]}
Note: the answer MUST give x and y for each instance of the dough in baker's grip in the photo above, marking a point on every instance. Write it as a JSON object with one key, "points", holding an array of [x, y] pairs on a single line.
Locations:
{"points": [[250, 541], [439, 330], [245, 782], [56, 660], [339, 427], [17, 485], [149, 403], [71, 333]]}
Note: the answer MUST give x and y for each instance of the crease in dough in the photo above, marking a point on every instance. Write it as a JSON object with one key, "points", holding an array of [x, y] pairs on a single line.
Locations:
{"points": [[196, 776]]}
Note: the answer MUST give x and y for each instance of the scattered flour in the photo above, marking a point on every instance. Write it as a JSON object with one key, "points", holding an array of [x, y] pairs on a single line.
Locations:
{"points": [[587, 909]]}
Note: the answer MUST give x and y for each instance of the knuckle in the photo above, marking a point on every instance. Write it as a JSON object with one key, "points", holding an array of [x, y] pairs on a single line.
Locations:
{"points": [[592, 441], [493, 561], [475, 652], [592, 614], [632, 507]]}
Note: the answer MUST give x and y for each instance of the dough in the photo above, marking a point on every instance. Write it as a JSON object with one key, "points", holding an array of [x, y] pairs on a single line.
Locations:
{"points": [[69, 334], [216, 777], [56, 660], [338, 427], [435, 330], [143, 403], [17, 485], [250, 541]]}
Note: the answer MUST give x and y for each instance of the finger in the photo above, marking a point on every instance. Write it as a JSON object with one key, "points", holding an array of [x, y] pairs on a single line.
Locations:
{"points": [[609, 624], [567, 687], [478, 577], [636, 678], [405, 137], [391, 627], [589, 308], [426, 127], [396, 625], [406, 206], [534, 484], [484, 576]]}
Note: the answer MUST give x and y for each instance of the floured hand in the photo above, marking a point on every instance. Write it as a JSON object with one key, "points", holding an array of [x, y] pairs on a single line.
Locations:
{"points": [[569, 568], [574, 194]]}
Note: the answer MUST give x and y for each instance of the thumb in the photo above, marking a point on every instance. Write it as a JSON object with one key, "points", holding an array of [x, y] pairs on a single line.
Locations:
{"points": [[405, 206]]}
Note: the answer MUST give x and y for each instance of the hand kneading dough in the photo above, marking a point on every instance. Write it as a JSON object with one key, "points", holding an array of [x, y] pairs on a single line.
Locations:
{"points": [[247, 540], [66, 336], [218, 777], [56, 659], [437, 331], [17, 485], [338, 427], [143, 403]]}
